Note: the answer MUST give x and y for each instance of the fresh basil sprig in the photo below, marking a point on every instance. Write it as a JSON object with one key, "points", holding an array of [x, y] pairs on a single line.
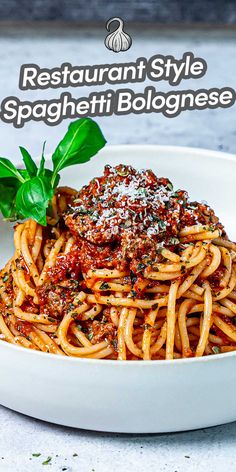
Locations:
{"points": [[26, 193], [82, 141], [28, 161]]}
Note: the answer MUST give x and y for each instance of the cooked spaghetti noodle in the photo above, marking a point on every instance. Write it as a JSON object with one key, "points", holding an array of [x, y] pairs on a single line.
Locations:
{"points": [[126, 269]]}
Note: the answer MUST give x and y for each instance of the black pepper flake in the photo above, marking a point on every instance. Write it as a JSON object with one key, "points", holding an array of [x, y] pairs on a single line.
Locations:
{"points": [[104, 286], [155, 306]]}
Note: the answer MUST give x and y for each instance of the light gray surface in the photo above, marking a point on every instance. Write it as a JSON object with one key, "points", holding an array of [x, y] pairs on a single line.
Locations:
{"points": [[211, 450]]}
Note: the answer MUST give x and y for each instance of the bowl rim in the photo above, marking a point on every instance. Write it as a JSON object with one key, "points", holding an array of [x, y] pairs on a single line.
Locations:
{"points": [[193, 150], [103, 362], [201, 152]]}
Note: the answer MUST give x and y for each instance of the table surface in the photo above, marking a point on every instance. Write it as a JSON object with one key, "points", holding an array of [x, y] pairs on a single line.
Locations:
{"points": [[210, 450]]}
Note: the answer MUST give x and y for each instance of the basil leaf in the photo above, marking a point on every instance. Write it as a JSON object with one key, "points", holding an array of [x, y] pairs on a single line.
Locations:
{"points": [[42, 162], [48, 175], [29, 163], [7, 169], [26, 193], [82, 141], [7, 198], [9, 182], [32, 199], [24, 173]]}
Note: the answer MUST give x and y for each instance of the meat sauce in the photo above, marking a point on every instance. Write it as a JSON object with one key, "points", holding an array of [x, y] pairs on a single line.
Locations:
{"points": [[121, 219]]}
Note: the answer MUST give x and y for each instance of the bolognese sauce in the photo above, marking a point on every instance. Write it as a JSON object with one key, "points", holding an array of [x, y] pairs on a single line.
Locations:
{"points": [[124, 218], [127, 268]]}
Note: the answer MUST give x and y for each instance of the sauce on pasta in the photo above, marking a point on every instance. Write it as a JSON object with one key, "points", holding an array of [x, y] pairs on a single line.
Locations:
{"points": [[124, 218], [128, 268]]}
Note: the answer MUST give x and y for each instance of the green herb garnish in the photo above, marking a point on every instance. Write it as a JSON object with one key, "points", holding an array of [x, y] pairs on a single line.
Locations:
{"points": [[170, 186], [174, 240], [114, 343], [104, 286], [47, 461], [155, 306], [216, 349], [162, 224], [26, 193], [36, 454], [140, 267]]}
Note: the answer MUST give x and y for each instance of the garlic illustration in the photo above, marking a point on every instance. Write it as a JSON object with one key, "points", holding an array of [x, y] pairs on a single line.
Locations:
{"points": [[118, 40]]}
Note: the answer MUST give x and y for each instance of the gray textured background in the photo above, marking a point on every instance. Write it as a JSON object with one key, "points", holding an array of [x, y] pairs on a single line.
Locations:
{"points": [[50, 47], [147, 11], [206, 450]]}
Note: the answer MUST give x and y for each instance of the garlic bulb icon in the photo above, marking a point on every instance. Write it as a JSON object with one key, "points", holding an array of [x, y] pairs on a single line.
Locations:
{"points": [[118, 40]]}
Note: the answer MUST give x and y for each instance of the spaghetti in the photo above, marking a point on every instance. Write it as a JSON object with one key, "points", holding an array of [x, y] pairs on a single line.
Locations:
{"points": [[126, 269]]}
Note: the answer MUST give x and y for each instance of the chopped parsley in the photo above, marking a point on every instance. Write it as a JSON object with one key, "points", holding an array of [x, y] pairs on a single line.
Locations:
{"points": [[212, 228], [133, 277], [155, 306], [174, 241], [162, 224], [140, 266], [114, 343], [216, 350], [104, 286], [47, 461], [82, 211], [170, 186], [146, 327], [142, 192]]}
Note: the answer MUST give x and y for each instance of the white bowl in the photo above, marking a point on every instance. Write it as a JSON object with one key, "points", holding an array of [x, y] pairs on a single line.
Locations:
{"points": [[131, 396]]}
